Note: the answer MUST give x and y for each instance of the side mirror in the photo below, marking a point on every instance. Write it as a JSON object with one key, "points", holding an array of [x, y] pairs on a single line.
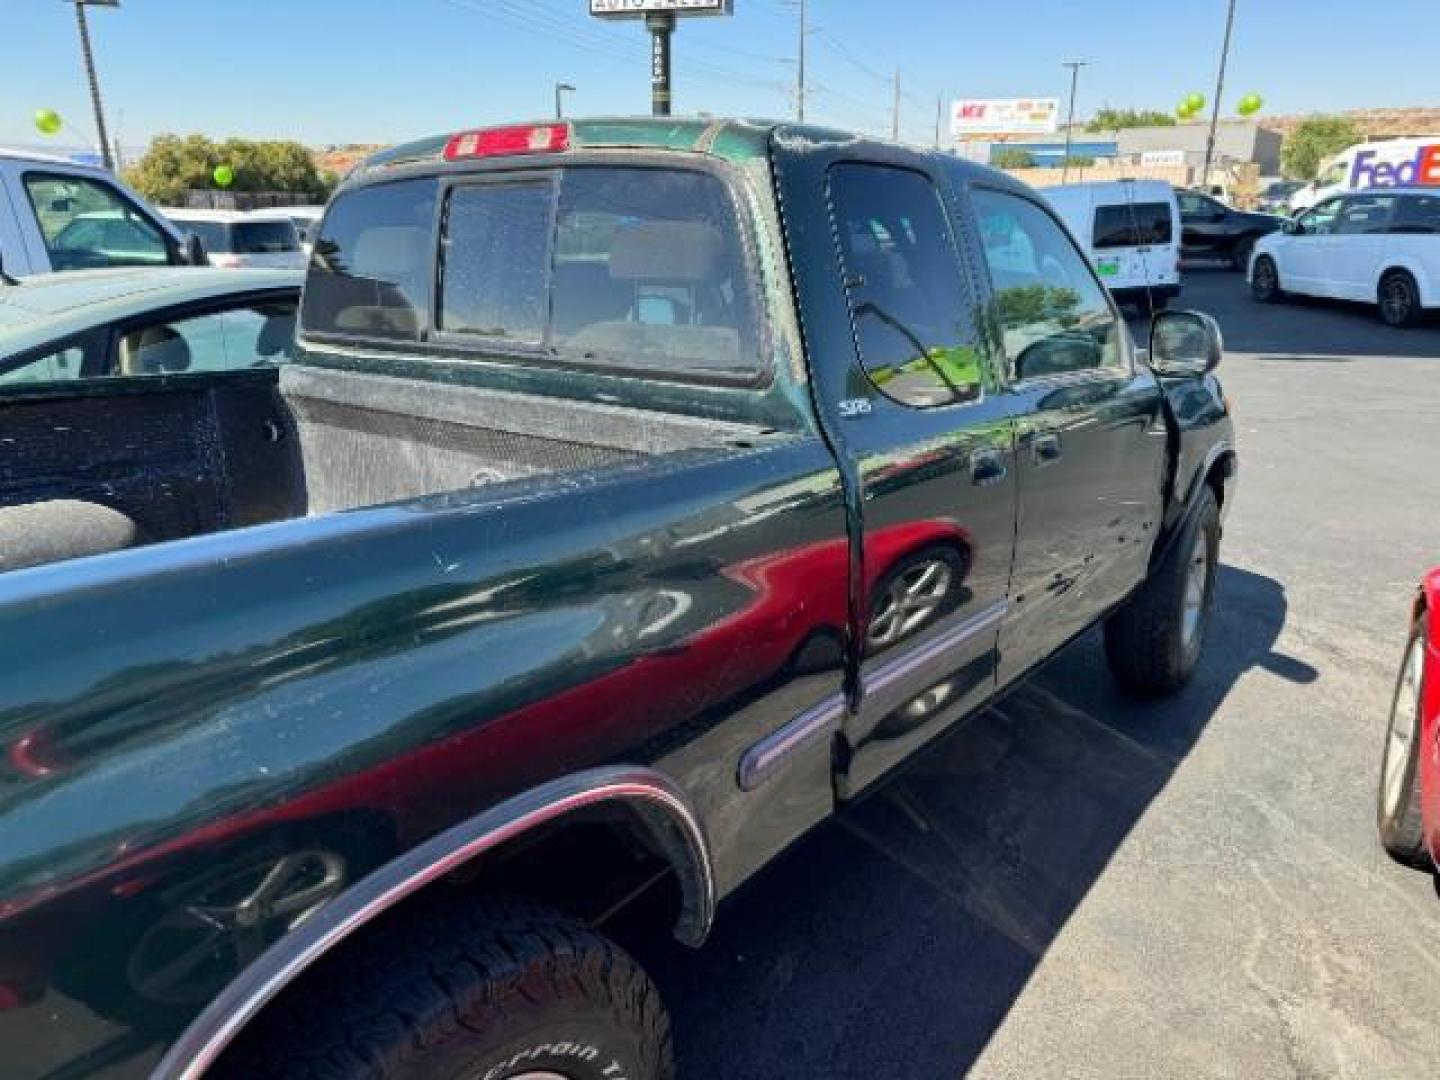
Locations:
{"points": [[195, 253], [1292, 227], [1185, 344]]}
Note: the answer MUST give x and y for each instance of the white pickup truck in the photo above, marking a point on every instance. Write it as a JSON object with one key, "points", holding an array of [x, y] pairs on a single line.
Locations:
{"points": [[57, 214]]}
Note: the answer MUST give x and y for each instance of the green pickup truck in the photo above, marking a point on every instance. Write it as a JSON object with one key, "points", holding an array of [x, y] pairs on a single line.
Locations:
{"points": [[640, 493]]}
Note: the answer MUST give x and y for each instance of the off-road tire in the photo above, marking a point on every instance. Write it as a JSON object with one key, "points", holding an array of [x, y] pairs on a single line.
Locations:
{"points": [[1392, 312], [1402, 832], [1265, 281], [464, 991], [1145, 640]]}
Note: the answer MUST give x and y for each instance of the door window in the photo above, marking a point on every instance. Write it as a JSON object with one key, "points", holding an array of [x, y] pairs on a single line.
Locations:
{"points": [[1054, 317], [1365, 214], [77, 357], [1417, 214], [1199, 208], [86, 224], [1321, 219], [909, 304], [250, 335]]}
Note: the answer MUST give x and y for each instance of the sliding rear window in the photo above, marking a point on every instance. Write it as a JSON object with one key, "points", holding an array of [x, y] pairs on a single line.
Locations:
{"points": [[1132, 225]]}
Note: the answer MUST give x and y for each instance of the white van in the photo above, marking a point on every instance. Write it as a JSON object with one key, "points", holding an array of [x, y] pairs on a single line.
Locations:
{"points": [[1130, 229], [58, 215], [235, 238], [1413, 162]]}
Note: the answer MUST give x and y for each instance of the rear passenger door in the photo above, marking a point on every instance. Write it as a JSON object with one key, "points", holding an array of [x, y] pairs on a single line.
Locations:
{"points": [[1090, 432], [1352, 253], [924, 440]]}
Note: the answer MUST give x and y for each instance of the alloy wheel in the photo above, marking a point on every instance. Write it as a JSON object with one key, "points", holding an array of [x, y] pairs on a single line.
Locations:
{"points": [[909, 601], [1403, 718], [1197, 580]]}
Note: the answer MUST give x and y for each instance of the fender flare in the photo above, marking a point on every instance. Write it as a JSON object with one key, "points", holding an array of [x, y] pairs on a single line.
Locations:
{"points": [[661, 806], [1221, 451]]}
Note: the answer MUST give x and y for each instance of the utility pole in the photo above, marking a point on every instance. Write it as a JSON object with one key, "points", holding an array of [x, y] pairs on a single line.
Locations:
{"points": [[661, 25], [895, 110], [800, 66], [939, 112], [561, 88], [105, 154], [1219, 89], [1074, 66]]}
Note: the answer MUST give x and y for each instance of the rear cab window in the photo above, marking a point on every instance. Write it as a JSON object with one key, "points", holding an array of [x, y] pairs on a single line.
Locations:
{"points": [[631, 270], [1133, 225]]}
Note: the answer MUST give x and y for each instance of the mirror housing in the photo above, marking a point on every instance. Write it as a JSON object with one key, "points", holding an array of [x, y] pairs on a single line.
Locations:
{"points": [[1185, 344], [195, 253], [1292, 227]]}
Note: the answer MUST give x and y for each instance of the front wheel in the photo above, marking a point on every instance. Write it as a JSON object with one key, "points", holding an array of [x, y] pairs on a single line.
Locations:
{"points": [[500, 990], [1399, 299], [1397, 808], [1241, 252], [1265, 281], [1153, 643]]}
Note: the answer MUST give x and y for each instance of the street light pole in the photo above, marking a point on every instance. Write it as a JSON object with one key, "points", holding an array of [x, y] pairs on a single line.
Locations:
{"points": [[104, 139], [800, 67], [1219, 89], [560, 88], [1074, 66]]}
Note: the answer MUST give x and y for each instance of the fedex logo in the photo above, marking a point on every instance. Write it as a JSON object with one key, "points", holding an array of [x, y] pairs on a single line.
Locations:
{"points": [[1423, 168]]}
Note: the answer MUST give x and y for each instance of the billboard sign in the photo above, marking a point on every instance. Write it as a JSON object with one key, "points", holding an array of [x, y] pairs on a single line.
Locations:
{"points": [[638, 9], [974, 117]]}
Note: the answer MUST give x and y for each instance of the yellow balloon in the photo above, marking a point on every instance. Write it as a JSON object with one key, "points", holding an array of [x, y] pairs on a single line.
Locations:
{"points": [[47, 121]]}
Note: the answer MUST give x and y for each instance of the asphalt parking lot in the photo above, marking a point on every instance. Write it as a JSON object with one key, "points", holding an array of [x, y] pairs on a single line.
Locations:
{"points": [[1076, 885]]}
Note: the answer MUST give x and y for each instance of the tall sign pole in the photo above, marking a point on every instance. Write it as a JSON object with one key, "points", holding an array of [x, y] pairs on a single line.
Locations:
{"points": [[1074, 66], [659, 16], [661, 25], [800, 68], [89, 57], [1219, 89]]}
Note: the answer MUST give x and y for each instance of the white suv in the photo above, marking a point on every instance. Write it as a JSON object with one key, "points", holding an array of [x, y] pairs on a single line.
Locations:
{"points": [[235, 238], [1380, 246]]}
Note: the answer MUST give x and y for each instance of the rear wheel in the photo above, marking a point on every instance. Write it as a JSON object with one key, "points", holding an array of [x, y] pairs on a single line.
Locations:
{"points": [[1154, 642], [1265, 281], [1399, 299], [1397, 811], [465, 991]]}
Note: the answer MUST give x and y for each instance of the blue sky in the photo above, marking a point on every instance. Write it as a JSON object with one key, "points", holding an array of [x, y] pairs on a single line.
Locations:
{"points": [[326, 71]]}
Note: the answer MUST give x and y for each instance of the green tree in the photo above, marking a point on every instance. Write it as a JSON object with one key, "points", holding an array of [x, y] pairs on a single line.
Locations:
{"points": [[1013, 157], [173, 165], [1313, 140], [1078, 161], [1118, 119]]}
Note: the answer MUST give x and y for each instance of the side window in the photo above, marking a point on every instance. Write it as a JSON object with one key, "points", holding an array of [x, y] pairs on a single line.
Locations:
{"points": [[1196, 206], [370, 270], [248, 336], [78, 357], [492, 261], [911, 310], [1320, 221], [1132, 225], [1365, 214], [88, 224], [1417, 214], [1054, 317]]}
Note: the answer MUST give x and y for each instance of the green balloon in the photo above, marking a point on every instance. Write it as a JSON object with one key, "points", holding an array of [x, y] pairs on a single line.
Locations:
{"points": [[223, 175], [47, 121], [1195, 102], [1250, 104]]}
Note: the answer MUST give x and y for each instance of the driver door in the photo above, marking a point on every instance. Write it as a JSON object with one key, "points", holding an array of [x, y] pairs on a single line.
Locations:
{"points": [[1303, 266]]}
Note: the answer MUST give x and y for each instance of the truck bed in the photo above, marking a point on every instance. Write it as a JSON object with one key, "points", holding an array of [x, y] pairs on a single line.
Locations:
{"points": [[122, 463]]}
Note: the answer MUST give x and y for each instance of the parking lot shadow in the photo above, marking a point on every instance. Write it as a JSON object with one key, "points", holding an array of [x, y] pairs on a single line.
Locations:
{"points": [[893, 942], [1298, 330]]}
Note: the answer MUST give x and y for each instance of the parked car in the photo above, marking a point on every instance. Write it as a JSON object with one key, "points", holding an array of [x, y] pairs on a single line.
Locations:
{"points": [[1408, 805], [1131, 231], [1275, 199], [572, 571], [305, 218], [236, 238], [106, 323], [60, 215], [1375, 247], [1211, 229]]}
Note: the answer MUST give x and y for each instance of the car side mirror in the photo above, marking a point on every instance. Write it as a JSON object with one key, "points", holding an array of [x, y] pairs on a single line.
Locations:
{"points": [[1292, 227], [195, 253], [1185, 344]]}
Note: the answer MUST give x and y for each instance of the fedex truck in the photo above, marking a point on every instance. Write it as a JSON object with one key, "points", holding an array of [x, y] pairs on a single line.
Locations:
{"points": [[1413, 162]]}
